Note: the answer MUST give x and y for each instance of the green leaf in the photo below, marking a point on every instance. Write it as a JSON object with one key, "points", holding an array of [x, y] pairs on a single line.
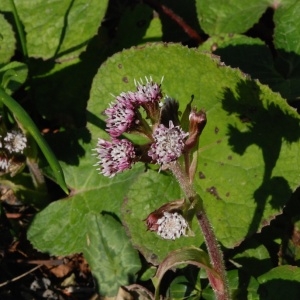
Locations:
{"points": [[148, 193], [219, 17], [91, 192], [286, 34], [59, 28], [182, 288], [241, 286], [12, 76], [287, 25], [253, 258], [247, 150], [77, 220], [110, 254], [279, 283], [188, 255], [7, 41], [251, 56], [27, 123]]}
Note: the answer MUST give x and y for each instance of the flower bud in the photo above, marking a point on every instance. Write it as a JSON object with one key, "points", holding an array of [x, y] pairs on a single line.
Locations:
{"points": [[197, 122]]}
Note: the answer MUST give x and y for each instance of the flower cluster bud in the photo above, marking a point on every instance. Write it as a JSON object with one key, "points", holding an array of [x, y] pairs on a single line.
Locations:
{"points": [[168, 221], [12, 145]]}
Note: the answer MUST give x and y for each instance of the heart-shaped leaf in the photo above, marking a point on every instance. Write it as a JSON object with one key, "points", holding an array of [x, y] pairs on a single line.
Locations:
{"points": [[65, 32], [246, 155]]}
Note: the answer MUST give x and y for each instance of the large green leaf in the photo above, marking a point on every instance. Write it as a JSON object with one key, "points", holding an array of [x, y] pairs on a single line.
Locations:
{"points": [[75, 225], [59, 28], [68, 219], [7, 40], [247, 158], [219, 17], [113, 260]]}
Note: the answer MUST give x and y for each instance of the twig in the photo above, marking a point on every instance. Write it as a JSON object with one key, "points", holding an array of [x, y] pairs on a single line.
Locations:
{"points": [[191, 32], [20, 276]]}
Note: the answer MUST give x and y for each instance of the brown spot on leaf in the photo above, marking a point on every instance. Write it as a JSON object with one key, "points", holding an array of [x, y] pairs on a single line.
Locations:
{"points": [[120, 66], [214, 47], [229, 157], [125, 79], [201, 175], [213, 191], [219, 141], [216, 130], [227, 194]]}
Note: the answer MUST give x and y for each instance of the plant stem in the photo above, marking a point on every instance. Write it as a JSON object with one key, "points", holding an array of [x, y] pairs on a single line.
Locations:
{"points": [[214, 251], [161, 8]]}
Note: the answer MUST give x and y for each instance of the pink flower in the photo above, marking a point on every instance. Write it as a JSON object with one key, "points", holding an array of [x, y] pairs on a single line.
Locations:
{"points": [[121, 115], [168, 143], [149, 92], [114, 157]]}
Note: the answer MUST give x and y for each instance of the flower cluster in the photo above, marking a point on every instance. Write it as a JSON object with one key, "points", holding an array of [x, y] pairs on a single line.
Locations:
{"points": [[168, 221], [115, 156], [12, 144], [125, 115], [15, 141], [172, 226], [169, 143], [146, 112]]}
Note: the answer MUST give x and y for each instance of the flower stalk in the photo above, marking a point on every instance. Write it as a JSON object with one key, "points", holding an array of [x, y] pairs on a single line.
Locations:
{"points": [[216, 257]]}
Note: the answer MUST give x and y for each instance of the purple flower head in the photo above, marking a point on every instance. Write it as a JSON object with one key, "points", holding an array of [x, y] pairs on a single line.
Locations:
{"points": [[121, 115], [149, 92], [115, 156], [168, 143]]}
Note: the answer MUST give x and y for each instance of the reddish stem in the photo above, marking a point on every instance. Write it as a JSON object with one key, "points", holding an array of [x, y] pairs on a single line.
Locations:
{"points": [[160, 8], [220, 287]]}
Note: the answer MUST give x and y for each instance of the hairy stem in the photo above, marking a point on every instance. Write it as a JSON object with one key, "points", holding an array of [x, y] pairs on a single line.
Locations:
{"points": [[216, 256]]}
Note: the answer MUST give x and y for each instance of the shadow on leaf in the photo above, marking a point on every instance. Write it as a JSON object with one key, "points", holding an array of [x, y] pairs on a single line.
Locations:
{"points": [[267, 126], [279, 289]]}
